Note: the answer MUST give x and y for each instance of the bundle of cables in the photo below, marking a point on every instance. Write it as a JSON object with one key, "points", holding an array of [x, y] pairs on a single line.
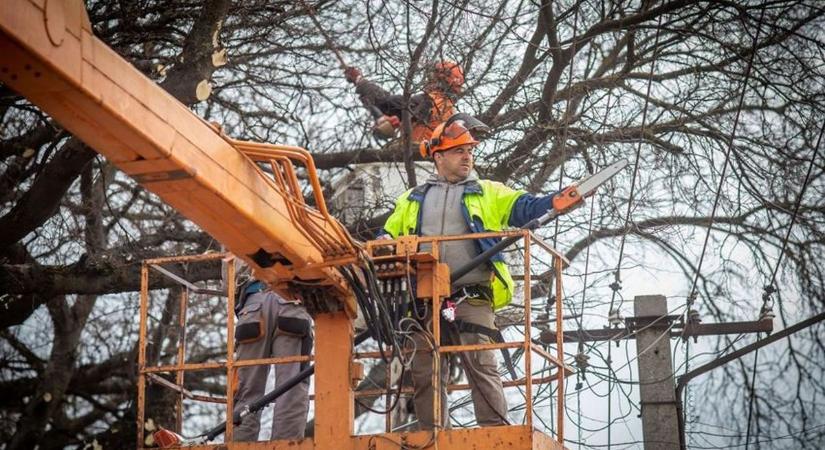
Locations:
{"points": [[385, 305]]}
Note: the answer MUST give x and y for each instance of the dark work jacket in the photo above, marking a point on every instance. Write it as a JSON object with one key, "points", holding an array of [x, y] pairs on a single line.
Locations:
{"points": [[427, 109]]}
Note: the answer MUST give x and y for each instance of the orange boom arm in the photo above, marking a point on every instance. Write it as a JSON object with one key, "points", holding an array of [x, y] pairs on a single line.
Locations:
{"points": [[49, 54]]}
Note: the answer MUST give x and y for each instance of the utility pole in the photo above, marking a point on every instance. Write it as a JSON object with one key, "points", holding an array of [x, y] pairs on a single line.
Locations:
{"points": [[660, 416], [659, 403]]}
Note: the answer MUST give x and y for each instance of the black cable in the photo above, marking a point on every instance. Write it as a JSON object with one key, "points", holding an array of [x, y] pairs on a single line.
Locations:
{"points": [[616, 285], [363, 302], [798, 203], [384, 314], [692, 293], [374, 314], [617, 282]]}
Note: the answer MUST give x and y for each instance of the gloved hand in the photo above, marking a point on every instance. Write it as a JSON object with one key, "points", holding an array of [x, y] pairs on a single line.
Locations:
{"points": [[352, 74], [394, 121], [385, 127]]}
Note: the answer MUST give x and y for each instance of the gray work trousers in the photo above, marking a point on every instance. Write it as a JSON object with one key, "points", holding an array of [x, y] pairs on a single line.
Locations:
{"points": [[290, 414], [481, 368]]}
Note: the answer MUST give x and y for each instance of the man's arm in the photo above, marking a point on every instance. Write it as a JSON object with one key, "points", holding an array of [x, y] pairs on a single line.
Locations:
{"points": [[514, 208], [373, 95], [528, 207], [393, 105]]}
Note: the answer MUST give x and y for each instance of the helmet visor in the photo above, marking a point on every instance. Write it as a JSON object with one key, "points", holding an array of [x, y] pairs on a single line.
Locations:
{"points": [[462, 123], [455, 130]]}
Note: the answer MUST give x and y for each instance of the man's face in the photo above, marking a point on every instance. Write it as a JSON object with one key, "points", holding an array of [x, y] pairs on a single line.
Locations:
{"points": [[455, 164]]}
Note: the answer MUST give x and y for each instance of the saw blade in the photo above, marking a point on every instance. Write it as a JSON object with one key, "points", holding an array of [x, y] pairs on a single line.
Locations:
{"points": [[586, 186]]}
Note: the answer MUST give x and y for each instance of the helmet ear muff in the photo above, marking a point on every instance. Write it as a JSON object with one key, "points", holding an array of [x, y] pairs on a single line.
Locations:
{"points": [[426, 147], [433, 143]]}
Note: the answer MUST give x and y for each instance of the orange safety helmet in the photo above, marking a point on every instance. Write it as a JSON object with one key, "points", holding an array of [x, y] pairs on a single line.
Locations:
{"points": [[456, 131], [449, 74]]}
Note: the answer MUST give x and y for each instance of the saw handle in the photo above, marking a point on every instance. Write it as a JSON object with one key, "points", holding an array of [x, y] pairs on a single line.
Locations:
{"points": [[567, 199]]}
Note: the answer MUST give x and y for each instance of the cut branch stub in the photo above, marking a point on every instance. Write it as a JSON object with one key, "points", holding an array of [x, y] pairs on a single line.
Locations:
{"points": [[203, 90]]}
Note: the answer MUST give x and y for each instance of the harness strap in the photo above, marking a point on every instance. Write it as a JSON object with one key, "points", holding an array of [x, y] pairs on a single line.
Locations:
{"points": [[472, 291]]}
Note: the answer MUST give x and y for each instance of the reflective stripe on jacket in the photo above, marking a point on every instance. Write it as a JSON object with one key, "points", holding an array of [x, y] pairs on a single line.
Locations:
{"points": [[488, 206]]}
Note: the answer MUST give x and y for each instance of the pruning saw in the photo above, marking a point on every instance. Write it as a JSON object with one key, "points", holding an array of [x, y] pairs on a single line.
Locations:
{"points": [[586, 187], [562, 202]]}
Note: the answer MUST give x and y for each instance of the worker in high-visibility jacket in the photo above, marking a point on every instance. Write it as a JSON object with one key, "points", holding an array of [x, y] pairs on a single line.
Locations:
{"points": [[428, 109], [452, 202]]}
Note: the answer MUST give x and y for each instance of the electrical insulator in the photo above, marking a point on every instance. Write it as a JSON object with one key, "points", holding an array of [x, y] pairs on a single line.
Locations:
{"points": [[766, 313], [694, 316], [582, 361], [692, 298], [615, 318]]}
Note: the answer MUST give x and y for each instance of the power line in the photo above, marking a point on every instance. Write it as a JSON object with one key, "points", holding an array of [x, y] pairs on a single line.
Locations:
{"points": [[770, 288], [691, 297], [787, 332], [568, 110], [616, 285], [692, 293]]}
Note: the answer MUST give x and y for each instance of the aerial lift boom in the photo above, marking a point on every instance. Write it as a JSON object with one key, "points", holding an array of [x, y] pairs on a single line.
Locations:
{"points": [[49, 54]]}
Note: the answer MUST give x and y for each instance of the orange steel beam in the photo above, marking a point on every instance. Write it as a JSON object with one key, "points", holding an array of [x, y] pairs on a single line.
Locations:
{"points": [[557, 262], [141, 381], [49, 54], [223, 365], [181, 357], [528, 355], [516, 437], [457, 387], [334, 402], [230, 346]]}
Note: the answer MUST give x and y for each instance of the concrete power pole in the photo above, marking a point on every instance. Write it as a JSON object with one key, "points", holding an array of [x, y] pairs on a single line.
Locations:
{"points": [[653, 328], [660, 420]]}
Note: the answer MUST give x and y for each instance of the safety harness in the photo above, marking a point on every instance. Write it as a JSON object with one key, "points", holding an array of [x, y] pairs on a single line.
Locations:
{"points": [[455, 327]]}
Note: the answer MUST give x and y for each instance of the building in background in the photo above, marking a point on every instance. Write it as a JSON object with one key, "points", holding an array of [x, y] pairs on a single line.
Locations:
{"points": [[371, 189]]}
